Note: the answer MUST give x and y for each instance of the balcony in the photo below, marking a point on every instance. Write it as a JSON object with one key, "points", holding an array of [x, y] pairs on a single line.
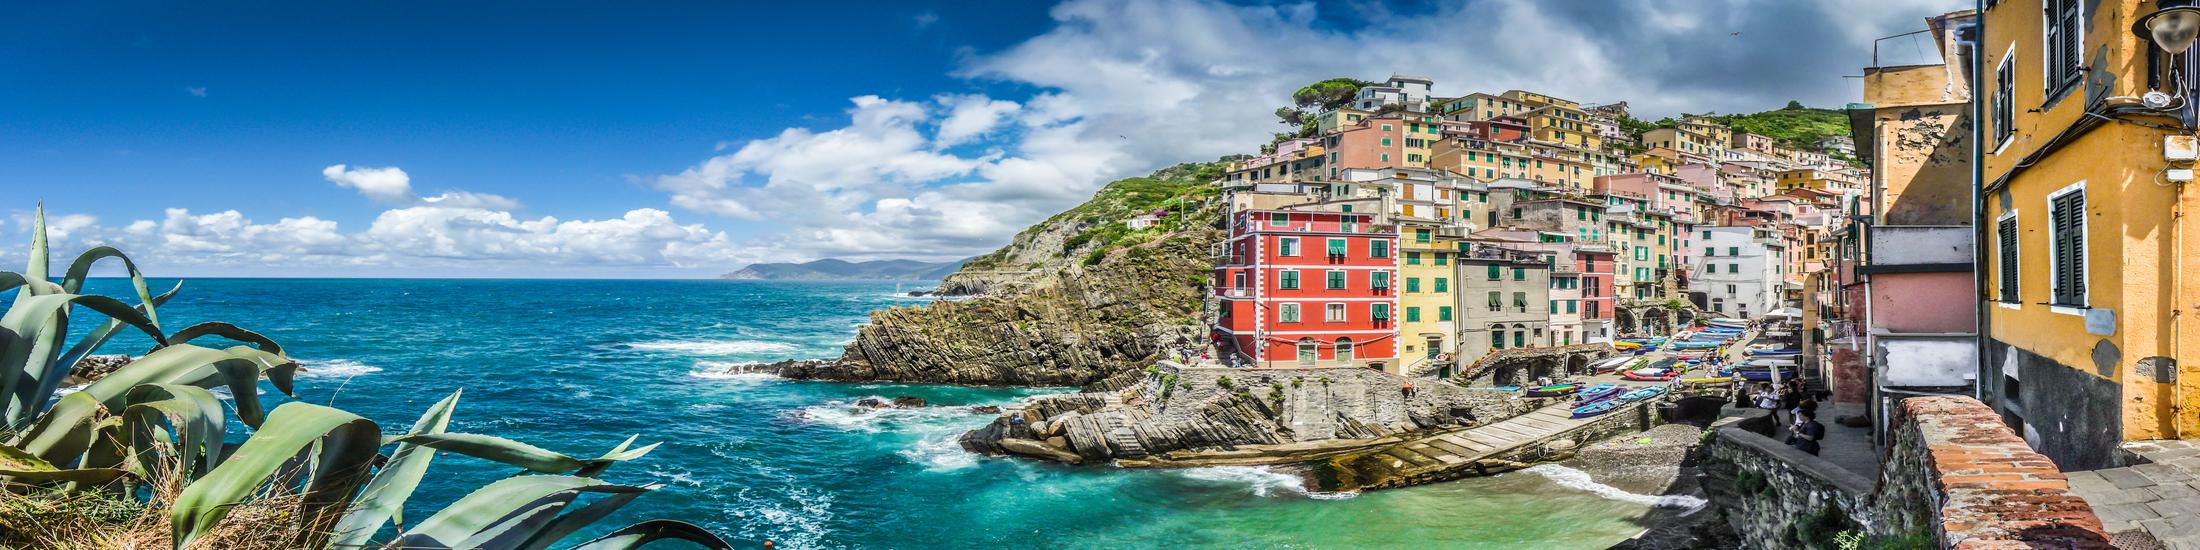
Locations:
{"points": [[1234, 292]]}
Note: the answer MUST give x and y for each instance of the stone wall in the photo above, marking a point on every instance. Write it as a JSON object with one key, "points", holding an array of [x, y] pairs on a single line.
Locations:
{"points": [[1953, 473], [1371, 470], [1774, 496], [1991, 489]]}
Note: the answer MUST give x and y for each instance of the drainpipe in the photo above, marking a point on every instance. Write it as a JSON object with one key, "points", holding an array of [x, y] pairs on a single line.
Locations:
{"points": [[1988, 372]]}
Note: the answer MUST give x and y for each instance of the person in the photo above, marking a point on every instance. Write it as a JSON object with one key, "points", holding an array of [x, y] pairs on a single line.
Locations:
{"points": [[1769, 401], [1809, 433], [1790, 395], [1795, 425]]}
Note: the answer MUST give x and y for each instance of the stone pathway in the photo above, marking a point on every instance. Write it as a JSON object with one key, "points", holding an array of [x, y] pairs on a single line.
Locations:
{"points": [[2159, 498], [1453, 454]]}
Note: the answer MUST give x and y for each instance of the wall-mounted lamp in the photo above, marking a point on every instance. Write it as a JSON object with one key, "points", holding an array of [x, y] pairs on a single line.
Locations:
{"points": [[2172, 26]]}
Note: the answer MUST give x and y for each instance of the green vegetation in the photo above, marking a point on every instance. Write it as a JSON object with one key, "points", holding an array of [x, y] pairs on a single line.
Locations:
{"points": [[139, 457], [1185, 191], [1794, 126], [1326, 95], [1820, 529]]}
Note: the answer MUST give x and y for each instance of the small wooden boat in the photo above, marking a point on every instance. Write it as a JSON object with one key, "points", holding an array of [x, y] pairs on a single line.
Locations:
{"points": [[1596, 408], [1597, 393], [1554, 390]]}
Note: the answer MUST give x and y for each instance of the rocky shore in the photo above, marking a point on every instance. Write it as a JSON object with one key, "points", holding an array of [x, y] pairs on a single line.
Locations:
{"points": [[1173, 416]]}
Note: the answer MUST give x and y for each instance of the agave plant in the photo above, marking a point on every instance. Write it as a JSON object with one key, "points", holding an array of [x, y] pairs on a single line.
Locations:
{"points": [[154, 422]]}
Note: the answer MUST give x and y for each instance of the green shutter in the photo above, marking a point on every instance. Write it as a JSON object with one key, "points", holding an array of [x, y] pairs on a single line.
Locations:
{"points": [[1336, 280], [1289, 280], [1413, 284], [1336, 247], [1442, 284], [1443, 313], [1413, 314]]}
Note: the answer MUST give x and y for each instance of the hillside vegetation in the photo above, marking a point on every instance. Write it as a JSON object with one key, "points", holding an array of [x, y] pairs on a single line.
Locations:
{"points": [[1795, 125], [1098, 223]]}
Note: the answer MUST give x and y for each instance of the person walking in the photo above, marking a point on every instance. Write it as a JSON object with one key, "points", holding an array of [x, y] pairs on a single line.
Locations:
{"points": [[1769, 401]]}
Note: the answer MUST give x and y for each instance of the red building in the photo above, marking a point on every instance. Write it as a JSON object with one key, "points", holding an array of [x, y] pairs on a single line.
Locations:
{"points": [[1597, 305], [1308, 289]]}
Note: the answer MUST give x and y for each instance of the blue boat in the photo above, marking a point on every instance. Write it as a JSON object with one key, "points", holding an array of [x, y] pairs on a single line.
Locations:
{"points": [[1596, 408], [1599, 392], [1641, 394], [1761, 374], [1554, 390]]}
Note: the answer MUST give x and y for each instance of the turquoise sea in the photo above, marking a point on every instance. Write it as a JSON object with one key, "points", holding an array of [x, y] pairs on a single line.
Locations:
{"points": [[577, 366]]}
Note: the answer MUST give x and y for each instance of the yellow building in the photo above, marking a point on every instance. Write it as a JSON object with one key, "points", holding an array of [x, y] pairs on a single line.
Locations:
{"points": [[1484, 160], [1565, 126], [1809, 178], [1693, 143], [2094, 338]]}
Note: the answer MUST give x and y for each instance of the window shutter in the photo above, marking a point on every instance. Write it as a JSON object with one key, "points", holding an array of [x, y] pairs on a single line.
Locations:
{"points": [[2009, 275]]}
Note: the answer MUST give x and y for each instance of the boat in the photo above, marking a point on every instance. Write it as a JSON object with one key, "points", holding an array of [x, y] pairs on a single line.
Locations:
{"points": [[1729, 323], [1712, 380], [1610, 364], [1597, 393], [1651, 374], [1596, 408], [1645, 393], [1554, 390], [1775, 352], [1625, 345], [1760, 374]]}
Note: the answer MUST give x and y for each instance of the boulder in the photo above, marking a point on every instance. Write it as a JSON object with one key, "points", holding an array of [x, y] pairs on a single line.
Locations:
{"points": [[1035, 449], [908, 402], [985, 409]]}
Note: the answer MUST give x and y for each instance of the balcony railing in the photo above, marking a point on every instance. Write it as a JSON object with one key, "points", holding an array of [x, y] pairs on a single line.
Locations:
{"points": [[1235, 292]]}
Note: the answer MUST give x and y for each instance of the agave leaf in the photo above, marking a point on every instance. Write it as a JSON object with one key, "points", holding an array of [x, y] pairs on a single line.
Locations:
{"points": [[9, 280], [63, 434], [384, 497], [225, 330], [30, 339], [23, 466], [497, 509], [98, 337], [238, 368], [73, 282], [346, 444], [636, 535], [37, 270], [566, 525], [512, 452], [195, 415]]}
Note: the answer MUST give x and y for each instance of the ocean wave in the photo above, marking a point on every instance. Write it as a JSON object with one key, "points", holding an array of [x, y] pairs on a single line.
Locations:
{"points": [[713, 348], [334, 368], [796, 518], [1580, 480], [844, 414], [1263, 482], [940, 453], [720, 370]]}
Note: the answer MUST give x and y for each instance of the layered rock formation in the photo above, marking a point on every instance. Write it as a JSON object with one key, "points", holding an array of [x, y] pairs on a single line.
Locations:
{"points": [[1069, 302], [1180, 417]]}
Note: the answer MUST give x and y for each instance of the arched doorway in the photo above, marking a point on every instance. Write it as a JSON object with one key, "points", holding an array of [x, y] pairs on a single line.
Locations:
{"points": [[1309, 352], [1497, 336], [1544, 368], [1344, 352], [1577, 364], [1655, 321], [1519, 335], [1685, 317], [1505, 375], [1625, 319]]}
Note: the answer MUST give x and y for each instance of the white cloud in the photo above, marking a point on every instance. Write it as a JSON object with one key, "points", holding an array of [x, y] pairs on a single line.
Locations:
{"points": [[195, 91], [1129, 86], [391, 185], [388, 184]]}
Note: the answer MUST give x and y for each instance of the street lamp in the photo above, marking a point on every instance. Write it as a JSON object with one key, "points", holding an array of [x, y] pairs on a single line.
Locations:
{"points": [[2172, 27]]}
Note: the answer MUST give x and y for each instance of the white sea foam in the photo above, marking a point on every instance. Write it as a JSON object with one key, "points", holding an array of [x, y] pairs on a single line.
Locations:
{"points": [[844, 414], [940, 453], [720, 370], [712, 348], [334, 368], [797, 518], [1263, 482], [1580, 480]]}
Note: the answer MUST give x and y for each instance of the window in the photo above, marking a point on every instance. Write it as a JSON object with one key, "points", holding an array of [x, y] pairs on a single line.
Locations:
{"points": [[1572, 305], [1441, 258], [1380, 312], [1380, 280], [1497, 301], [1333, 313], [1413, 284], [1733, 268], [1288, 313], [1287, 246], [1497, 338], [2065, 45], [1413, 258], [1442, 284], [1378, 249], [1279, 218], [1336, 279], [1733, 251], [1288, 280], [1336, 247], [1496, 272], [1344, 350], [1520, 300], [1443, 313], [1309, 352], [1420, 235], [2066, 238], [1520, 274], [2005, 106], [2006, 230], [1413, 314]]}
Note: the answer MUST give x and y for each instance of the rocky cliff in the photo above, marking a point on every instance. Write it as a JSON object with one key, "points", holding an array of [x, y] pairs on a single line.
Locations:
{"points": [[1070, 301], [1201, 416]]}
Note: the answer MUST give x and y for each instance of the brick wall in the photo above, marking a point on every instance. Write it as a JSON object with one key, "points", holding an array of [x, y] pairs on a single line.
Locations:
{"points": [[1954, 470]]}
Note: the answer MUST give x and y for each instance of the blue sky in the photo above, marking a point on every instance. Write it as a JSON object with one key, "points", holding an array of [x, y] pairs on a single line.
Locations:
{"points": [[687, 139]]}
